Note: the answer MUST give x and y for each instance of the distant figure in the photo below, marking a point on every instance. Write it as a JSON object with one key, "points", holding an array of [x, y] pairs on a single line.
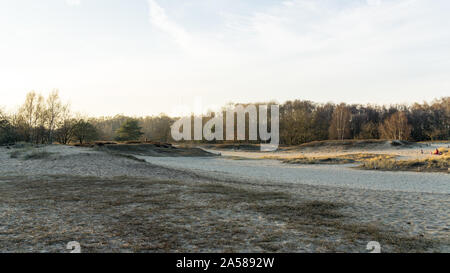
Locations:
{"points": [[436, 152], [421, 151]]}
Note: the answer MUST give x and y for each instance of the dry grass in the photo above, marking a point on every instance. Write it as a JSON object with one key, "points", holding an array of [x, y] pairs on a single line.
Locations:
{"points": [[386, 162], [229, 146], [433, 164], [335, 159], [347, 142], [154, 149], [125, 214]]}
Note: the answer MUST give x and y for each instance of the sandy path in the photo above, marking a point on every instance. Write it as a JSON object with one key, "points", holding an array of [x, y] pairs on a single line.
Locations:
{"points": [[323, 175]]}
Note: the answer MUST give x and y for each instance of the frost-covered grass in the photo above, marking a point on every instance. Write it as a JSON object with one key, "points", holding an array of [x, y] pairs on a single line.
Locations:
{"points": [[148, 215]]}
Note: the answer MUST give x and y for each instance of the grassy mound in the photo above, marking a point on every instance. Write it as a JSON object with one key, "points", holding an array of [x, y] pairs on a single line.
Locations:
{"points": [[435, 163], [29, 152], [233, 146], [349, 142], [339, 159], [154, 150], [355, 144]]}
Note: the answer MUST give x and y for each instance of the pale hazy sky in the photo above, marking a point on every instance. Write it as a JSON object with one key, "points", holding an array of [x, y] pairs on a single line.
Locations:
{"points": [[143, 57]]}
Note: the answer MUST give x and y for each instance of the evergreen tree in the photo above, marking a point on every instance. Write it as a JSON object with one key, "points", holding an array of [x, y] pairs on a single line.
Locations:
{"points": [[130, 130]]}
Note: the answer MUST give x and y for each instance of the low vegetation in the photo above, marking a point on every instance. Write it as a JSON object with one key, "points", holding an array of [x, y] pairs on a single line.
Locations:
{"points": [[435, 163], [153, 149], [29, 152], [338, 159], [383, 162], [353, 143], [37, 154]]}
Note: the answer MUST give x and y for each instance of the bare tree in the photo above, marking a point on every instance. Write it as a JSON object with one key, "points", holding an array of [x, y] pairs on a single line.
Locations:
{"points": [[66, 127], [54, 112], [396, 127], [39, 120], [26, 113], [369, 131], [33, 114], [340, 122], [65, 132]]}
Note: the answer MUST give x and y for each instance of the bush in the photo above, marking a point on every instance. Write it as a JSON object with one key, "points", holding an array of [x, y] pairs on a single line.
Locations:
{"points": [[84, 131], [15, 154], [37, 154], [26, 151], [7, 133]]}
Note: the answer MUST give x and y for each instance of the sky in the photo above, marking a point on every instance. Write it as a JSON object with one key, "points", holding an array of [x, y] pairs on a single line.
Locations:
{"points": [[145, 57]]}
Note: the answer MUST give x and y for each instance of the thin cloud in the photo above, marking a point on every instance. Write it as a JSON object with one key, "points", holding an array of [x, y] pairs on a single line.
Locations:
{"points": [[73, 2], [159, 19], [358, 42]]}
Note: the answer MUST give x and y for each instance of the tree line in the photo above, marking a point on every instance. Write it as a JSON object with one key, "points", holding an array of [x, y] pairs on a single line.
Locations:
{"points": [[49, 120]]}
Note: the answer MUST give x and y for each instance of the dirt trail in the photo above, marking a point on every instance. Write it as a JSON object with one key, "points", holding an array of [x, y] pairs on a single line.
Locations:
{"points": [[324, 175]]}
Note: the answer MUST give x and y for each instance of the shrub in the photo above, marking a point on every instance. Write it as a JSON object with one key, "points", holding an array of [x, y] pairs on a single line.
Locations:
{"points": [[37, 154], [7, 133]]}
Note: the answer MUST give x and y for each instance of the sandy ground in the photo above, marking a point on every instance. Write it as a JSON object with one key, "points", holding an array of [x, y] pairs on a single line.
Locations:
{"points": [[117, 204], [419, 202], [343, 175], [76, 161]]}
